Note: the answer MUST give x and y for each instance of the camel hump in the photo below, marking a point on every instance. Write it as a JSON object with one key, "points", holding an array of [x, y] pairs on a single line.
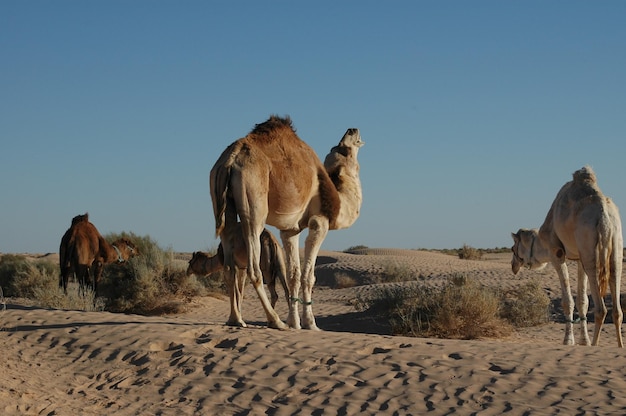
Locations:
{"points": [[271, 125], [585, 174], [80, 218]]}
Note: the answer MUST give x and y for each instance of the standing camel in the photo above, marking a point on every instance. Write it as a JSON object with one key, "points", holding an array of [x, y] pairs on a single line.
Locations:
{"points": [[83, 249], [272, 263], [582, 225], [272, 177]]}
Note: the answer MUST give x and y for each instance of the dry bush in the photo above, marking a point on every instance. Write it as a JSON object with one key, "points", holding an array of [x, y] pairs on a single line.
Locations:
{"points": [[468, 310], [469, 253], [393, 271], [462, 309], [353, 249], [343, 281], [39, 281], [527, 306], [153, 282]]}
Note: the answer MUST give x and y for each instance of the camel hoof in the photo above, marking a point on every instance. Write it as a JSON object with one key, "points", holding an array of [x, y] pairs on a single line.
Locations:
{"points": [[278, 325], [238, 324]]}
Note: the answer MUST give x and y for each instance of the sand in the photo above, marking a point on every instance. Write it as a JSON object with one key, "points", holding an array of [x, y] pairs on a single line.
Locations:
{"points": [[61, 362]]}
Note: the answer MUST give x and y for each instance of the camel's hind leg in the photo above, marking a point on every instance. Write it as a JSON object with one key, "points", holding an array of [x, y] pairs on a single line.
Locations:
{"points": [[235, 294], [256, 277], [599, 308], [615, 276], [583, 305], [567, 301]]}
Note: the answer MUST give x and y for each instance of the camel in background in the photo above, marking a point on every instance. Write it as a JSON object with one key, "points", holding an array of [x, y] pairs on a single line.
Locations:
{"points": [[83, 251], [272, 263], [582, 225], [273, 177]]}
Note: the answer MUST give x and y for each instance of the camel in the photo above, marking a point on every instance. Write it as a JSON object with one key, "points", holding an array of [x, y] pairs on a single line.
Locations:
{"points": [[83, 251], [584, 225], [271, 176], [272, 263]]}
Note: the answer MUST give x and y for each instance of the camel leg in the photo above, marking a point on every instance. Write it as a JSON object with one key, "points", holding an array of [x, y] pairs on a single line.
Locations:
{"points": [[256, 277], [234, 294], [567, 302], [583, 305], [273, 294], [588, 264], [318, 228], [615, 277], [292, 253]]}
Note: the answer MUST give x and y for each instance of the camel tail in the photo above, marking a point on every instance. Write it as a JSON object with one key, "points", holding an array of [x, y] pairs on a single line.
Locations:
{"points": [[219, 183]]}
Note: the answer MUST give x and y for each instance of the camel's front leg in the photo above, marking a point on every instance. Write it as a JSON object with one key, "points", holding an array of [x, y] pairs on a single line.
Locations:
{"points": [[567, 301], [318, 228], [583, 305], [292, 254]]}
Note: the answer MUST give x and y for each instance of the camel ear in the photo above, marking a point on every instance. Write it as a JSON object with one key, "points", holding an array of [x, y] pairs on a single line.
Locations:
{"points": [[515, 236]]}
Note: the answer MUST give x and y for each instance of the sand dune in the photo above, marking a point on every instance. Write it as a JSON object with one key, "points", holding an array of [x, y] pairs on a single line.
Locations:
{"points": [[93, 363]]}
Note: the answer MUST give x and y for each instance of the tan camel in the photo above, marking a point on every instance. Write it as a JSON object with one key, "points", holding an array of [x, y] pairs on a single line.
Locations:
{"points": [[272, 263], [83, 251], [582, 225], [272, 177]]}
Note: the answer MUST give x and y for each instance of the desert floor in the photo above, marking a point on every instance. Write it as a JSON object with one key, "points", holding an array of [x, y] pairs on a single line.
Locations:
{"points": [[60, 362]]}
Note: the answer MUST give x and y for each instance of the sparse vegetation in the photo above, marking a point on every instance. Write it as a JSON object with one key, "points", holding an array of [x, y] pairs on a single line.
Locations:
{"points": [[461, 309], [355, 248], [469, 253], [152, 282]]}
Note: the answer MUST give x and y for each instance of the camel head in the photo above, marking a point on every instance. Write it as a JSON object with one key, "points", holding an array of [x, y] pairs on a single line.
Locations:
{"points": [[195, 263], [352, 139], [126, 248], [525, 242], [203, 264]]}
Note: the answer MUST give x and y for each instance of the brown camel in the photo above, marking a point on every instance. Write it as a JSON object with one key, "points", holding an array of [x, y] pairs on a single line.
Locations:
{"points": [[272, 177], [272, 263], [83, 251], [582, 225]]}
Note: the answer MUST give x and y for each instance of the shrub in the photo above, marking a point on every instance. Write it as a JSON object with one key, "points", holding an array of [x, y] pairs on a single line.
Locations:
{"points": [[39, 281], [344, 280], [153, 282], [20, 277], [527, 306], [469, 253], [461, 309], [355, 248]]}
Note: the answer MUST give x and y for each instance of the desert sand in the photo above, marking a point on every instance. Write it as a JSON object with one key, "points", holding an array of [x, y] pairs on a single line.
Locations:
{"points": [[60, 362]]}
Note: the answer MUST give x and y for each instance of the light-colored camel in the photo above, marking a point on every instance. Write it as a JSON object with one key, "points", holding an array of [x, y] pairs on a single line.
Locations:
{"points": [[272, 263], [582, 225], [273, 177], [83, 252]]}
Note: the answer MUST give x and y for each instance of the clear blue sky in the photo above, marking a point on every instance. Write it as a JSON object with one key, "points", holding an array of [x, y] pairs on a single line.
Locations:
{"points": [[474, 113]]}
